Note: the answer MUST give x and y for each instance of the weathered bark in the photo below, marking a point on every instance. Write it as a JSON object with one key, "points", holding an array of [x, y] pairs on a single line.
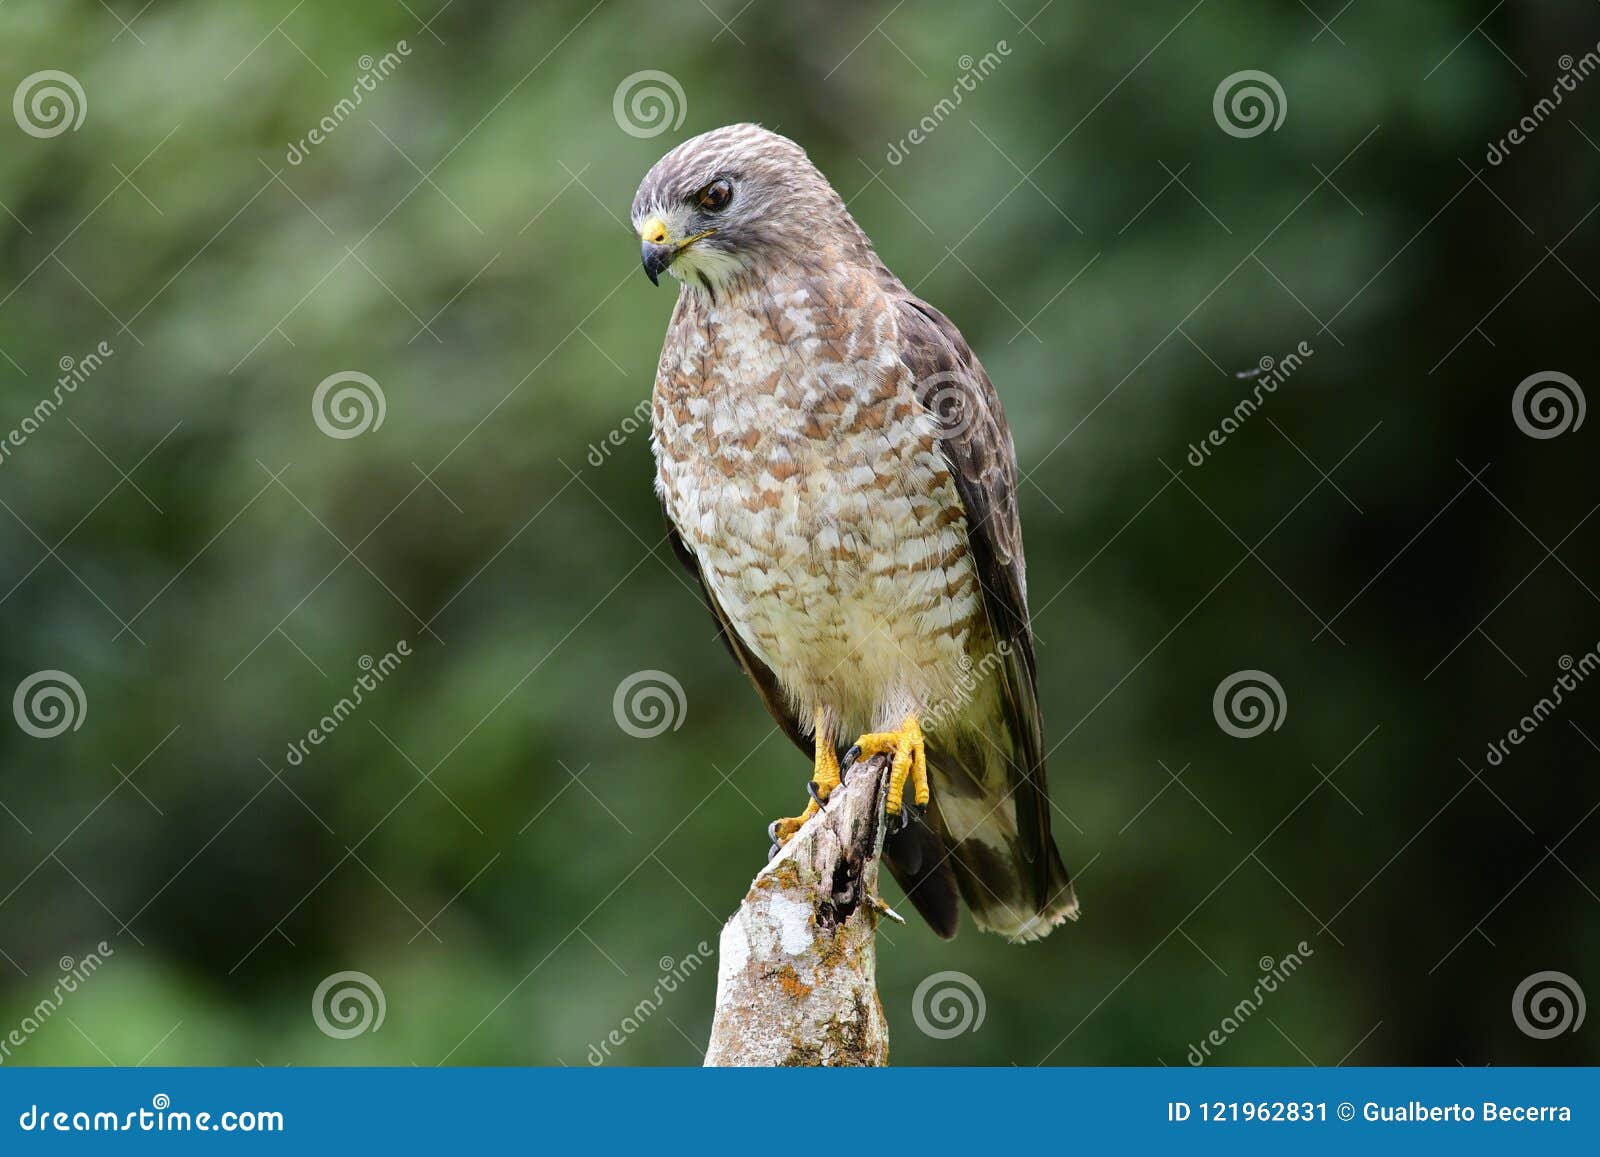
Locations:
{"points": [[796, 974]]}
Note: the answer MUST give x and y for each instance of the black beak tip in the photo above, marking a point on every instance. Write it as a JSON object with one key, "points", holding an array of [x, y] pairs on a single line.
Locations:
{"points": [[655, 258]]}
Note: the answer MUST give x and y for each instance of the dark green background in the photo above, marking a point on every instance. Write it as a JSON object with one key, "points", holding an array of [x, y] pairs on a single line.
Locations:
{"points": [[257, 560]]}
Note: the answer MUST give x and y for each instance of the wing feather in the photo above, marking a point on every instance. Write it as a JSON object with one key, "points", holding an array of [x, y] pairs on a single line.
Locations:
{"points": [[976, 445]]}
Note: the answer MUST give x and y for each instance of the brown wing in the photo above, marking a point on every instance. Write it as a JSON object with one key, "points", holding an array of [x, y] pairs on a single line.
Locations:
{"points": [[976, 444]]}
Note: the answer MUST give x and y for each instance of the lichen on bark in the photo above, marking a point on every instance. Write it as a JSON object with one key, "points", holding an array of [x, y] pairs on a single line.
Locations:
{"points": [[796, 976]]}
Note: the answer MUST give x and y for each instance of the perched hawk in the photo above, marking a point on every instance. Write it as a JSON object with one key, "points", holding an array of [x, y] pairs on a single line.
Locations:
{"points": [[837, 473]]}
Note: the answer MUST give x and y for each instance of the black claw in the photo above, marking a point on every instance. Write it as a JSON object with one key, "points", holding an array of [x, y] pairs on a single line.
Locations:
{"points": [[812, 791], [851, 756], [773, 851], [772, 833]]}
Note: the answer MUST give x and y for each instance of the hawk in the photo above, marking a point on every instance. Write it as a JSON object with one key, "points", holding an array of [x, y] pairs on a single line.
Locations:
{"points": [[836, 472]]}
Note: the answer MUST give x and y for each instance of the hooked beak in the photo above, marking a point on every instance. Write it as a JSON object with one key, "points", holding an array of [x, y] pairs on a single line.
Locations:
{"points": [[656, 258], [657, 249]]}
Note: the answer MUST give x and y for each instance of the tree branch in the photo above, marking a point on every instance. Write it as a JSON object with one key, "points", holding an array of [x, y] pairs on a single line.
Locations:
{"points": [[796, 973]]}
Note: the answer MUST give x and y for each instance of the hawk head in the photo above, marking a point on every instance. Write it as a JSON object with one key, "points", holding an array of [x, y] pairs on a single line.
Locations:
{"points": [[732, 204]]}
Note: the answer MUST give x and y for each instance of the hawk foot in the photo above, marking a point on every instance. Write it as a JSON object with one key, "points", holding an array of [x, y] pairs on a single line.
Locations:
{"points": [[781, 831], [825, 777], [910, 763]]}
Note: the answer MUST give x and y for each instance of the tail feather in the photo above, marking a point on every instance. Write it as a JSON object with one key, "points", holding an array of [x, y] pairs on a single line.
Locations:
{"points": [[923, 870], [1005, 862]]}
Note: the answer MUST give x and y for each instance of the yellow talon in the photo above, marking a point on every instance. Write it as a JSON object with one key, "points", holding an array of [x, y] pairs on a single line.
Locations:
{"points": [[782, 831], [910, 761], [824, 778], [826, 772]]}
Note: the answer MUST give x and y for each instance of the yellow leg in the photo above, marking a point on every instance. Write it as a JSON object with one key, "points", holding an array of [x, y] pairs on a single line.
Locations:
{"points": [[910, 761], [824, 778]]}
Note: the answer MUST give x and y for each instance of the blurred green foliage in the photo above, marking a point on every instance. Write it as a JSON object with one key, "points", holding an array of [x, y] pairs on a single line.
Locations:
{"points": [[480, 836]]}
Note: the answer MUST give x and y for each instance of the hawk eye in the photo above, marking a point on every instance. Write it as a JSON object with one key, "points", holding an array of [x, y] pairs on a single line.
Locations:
{"points": [[715, 196]]}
